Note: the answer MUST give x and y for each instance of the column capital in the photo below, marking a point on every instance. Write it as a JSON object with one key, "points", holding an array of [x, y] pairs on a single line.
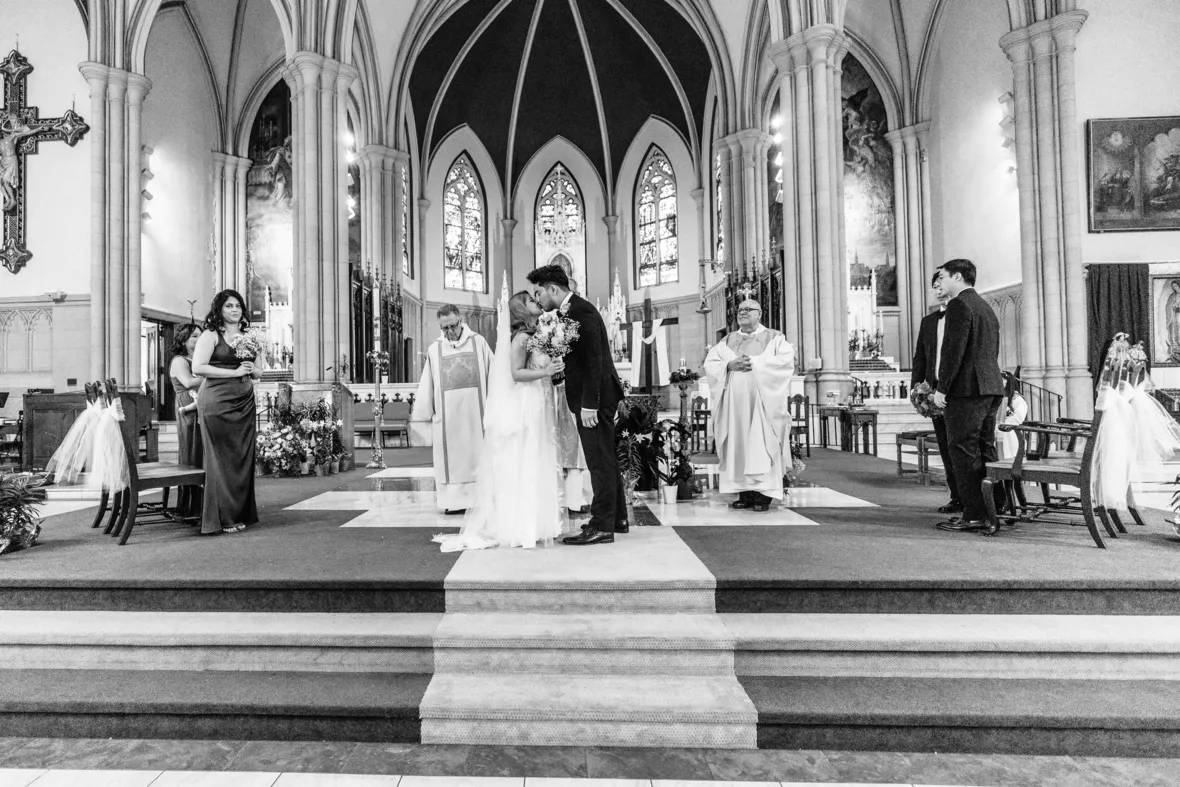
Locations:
{"points": [[138, 87], [509, 225], [821, 40], [345, 75], [423, 206], [1016, 45], [382, 156], [698, 196], [1065, 27], [96, 74], [780, 54], [612, 225]]}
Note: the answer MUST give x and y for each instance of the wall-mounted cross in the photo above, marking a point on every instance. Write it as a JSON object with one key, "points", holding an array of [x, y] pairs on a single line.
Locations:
{"points": [[21, 130]]}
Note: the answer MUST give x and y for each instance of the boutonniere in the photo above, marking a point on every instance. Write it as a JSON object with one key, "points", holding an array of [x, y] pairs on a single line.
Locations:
{"points": [[564, 308]]}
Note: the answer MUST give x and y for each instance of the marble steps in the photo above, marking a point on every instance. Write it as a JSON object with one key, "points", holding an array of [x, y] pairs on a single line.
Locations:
{"points": [[212, 705], [995, 647], [540, 644], [1109, 718], [219, 641], [576, 709]]}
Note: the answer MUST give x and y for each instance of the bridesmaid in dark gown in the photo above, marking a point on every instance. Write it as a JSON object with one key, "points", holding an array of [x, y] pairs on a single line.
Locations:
{"points": [[225, 406], [188, 433]]}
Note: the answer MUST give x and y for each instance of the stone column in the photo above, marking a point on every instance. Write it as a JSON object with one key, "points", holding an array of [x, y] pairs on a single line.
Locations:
{"points": [[1054, 345], [320, 305], [907, 293], [509, 226], [242, 174], [804, 186], [116, 203], [399, 161], [789, 242], [836, 79], [96, 78], [614, 259], [727, 221], [230, 221]]}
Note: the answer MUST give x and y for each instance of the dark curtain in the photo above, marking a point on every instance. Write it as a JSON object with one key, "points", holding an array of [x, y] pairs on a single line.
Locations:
{"points": [[1118, 301]]}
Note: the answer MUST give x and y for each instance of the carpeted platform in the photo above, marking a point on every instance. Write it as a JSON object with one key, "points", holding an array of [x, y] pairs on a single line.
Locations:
{"points": [[887, 558]]}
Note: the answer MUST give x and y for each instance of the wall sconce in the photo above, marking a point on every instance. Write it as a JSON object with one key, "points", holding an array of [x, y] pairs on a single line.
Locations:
{"points": [[57, 296], [1008, 121]]}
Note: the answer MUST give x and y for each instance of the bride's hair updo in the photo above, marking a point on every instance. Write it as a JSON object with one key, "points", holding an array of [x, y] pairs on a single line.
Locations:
{"points": [[518, 313]]}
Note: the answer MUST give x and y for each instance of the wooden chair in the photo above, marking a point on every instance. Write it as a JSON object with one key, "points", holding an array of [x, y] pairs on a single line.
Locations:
{"points": [[800, 408], [699, 426], [920, 441], [125, 506], [397, 422], [1037, 463], [363, 422]]}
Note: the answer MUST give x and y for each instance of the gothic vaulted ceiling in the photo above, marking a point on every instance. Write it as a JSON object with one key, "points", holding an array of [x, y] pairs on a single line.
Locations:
{"points": [[520, 72]]}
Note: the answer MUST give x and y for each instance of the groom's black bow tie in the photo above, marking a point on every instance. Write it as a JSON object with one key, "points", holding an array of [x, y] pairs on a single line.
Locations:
{"points": [[940, 314]]}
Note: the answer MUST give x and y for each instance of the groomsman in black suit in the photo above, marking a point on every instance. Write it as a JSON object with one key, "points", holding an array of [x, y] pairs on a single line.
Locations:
{"points": [[970, 387], [925, 370]]}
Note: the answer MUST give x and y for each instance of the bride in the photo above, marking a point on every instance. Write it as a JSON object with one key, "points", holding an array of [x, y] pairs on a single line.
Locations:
{"points": [[518, 498]]}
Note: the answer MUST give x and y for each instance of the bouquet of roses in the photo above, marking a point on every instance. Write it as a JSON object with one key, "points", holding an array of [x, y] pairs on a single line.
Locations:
{"points": [[250, 344], [554, 337], [922, 398]]}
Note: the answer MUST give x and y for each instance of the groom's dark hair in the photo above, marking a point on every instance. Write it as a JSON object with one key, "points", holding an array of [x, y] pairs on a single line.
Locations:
{"points": [[549, 274]]}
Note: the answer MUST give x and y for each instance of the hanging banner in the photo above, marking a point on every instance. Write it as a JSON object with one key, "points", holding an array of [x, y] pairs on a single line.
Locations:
{"points": [[659, 336]]}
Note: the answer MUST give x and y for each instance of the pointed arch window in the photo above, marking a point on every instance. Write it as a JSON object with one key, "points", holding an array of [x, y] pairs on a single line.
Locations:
{"points": [[655, 219], [560, 214], [464, 237], [407, 261]]}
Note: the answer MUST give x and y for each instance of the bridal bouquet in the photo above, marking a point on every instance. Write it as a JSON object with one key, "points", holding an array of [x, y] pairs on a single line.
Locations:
{"points": [[554, 337], [922, 398], [250, 344]]}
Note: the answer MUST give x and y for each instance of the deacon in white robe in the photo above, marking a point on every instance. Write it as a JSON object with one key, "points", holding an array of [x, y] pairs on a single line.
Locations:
{"points": [[451, 396], [749, 374]]}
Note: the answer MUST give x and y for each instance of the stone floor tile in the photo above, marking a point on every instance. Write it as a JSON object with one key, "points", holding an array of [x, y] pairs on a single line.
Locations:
{"points": [[639, 763], [459, 781], [1016, 770], [526, 761], [872, 766], [1131, 771], [97, 778], [215, 779], [174, 755], [68, 753], [298, 756], [769, 765], [19, 777], [407, 759], [335, 780], [9, 747], [531, 782]]}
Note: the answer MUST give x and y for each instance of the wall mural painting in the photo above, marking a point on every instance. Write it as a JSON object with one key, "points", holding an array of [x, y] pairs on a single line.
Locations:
{"points": [[868, 185], [1165, 320], [270, 251], [1134, 174]]}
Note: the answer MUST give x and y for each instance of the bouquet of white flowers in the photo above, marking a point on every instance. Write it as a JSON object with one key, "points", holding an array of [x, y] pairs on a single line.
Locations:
{"points": [[554, 337], [250, 345]]}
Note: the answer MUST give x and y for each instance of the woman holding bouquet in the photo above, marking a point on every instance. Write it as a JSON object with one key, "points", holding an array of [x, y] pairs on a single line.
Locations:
{"points": [[518, 500], [188, 433], [225, 357]]}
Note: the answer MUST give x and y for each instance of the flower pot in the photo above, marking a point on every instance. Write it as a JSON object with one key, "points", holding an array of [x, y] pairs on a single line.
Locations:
{"points": [[321, 470], [345, 463], [304, 468], [669, 494], [261, 468], [334, 467], [684, 491]]}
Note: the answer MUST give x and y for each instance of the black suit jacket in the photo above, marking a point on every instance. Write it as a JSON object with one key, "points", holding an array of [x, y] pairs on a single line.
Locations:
{"points": [[970, 348], [925, 366], [591, 381]]}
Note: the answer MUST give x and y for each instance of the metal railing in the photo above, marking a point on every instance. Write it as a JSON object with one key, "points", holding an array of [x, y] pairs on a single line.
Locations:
{"points": [[1043, 405]]}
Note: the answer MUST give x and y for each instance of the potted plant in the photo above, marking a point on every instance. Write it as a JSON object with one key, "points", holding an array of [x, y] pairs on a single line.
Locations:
{"points": [[674, 466], [19, 524], [630, 467]]}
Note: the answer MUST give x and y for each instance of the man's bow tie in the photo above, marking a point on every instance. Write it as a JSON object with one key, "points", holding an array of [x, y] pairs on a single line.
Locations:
{"points": [[941, 314]]}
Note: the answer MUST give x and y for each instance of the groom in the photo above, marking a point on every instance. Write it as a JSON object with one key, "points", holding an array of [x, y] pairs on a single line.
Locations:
{"points": [[593, 392]]}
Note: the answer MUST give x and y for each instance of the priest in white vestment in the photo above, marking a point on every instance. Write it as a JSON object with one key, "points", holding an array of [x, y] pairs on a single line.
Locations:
{"points": [[451, 396], [749, 375]]}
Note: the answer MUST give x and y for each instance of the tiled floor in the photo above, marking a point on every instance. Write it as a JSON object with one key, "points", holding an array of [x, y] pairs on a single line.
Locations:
{"points": [[165, 763], [383, 507]]}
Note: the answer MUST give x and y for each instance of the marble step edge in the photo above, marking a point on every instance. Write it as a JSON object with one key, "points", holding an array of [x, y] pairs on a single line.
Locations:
{"points": [[1071, 634], [583, 584], [614, 733]]}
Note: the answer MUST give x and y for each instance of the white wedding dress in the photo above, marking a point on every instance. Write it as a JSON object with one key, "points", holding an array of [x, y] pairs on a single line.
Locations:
{"points": [[519, 494]]}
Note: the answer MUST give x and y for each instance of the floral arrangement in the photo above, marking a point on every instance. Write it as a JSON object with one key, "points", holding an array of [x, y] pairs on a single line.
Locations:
{"points": [[379, 359], [683, 376], [791, 476], [309, 433], [922, 398], [554, 336], [250, 344], [674, 461], [19, 524], [281, 447], [627, 450]]}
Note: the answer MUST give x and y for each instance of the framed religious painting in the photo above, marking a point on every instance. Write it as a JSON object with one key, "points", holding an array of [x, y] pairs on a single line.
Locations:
{"points": [[1133, 174], [1165, 320]]}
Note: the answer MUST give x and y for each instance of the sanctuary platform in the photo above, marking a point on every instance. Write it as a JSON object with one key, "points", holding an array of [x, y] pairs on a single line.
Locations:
{"points": [[840, 619]]}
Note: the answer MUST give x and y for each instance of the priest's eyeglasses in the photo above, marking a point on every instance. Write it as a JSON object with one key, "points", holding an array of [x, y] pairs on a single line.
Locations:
{"points": [[749, 311]]}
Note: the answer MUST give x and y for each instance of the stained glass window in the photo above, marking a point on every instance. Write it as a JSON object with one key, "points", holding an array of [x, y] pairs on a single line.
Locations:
{"points": [[463, 227], [655, 208], [720, 202], [407, 265]]}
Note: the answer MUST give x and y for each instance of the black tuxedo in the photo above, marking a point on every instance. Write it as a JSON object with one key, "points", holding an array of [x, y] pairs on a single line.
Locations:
{"points": [[970, 377], [925, 370], [591, 383]]}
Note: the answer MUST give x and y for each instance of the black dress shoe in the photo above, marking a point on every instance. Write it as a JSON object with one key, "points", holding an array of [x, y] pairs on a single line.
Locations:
{"points": [[589, 537], [989, 530], [454, 511], [962, 524], [740, 504], [952, 507], [622, 527]]}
